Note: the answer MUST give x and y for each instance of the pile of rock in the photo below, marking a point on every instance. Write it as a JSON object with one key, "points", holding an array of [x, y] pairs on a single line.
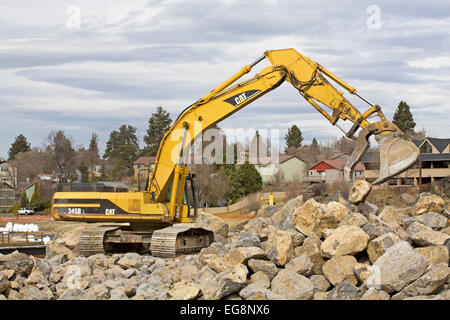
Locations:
{"points": [[345, 249]]}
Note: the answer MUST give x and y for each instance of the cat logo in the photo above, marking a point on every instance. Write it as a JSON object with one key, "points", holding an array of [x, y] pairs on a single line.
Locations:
{"points": [[110, 212], [239, 98]]}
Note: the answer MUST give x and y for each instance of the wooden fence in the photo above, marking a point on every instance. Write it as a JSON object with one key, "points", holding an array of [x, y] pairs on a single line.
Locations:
{"points": [[243, 204]]}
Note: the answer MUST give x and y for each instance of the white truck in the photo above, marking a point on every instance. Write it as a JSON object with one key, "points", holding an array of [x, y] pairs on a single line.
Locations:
{"points": [[26, 211]]}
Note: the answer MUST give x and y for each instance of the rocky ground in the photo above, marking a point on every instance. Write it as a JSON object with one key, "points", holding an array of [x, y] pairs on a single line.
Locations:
{"points": [[345, 249]]}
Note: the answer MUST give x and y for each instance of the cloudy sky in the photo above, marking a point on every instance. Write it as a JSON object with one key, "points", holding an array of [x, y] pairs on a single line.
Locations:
{"points": [[91, 66]]}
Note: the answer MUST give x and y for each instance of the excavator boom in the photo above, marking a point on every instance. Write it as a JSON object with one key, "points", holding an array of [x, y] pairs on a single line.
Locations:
{"points": [[310, 79]]}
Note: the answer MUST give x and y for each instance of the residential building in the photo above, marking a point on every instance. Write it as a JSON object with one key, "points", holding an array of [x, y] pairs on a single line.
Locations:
{"points": [[332, 171], [7, 195], [434, 159], [142, 166], [289, 168]]}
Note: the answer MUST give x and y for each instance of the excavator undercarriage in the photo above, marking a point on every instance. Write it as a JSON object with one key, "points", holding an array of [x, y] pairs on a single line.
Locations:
{"points": [[168, 242]]}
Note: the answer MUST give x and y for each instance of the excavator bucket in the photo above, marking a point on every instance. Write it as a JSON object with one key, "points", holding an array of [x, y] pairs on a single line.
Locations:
{"points": [[396, 156]]}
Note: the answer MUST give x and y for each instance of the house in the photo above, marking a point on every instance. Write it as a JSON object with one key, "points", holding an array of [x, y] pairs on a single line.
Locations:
{"points": [[434, 161], [8, 174], [331, 171], [290, 168], [7, 195], [142, 166]]}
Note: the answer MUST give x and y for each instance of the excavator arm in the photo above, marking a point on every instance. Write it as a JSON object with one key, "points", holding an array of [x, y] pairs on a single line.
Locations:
{"points": [[308, 77], [152, 214]]}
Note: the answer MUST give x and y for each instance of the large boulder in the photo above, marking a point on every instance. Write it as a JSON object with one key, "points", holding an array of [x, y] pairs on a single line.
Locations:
{"points": [[268, 267], [261, 279], [184, 291], [242, 255], [367, 209], [187, 270], [344, 291], [374, 294], [279, 247], [378, 246], [292, 286], [227, 282], [424, 236], [376, 227], [311, 249], [283, 218], [53, 248], [212, 257], [433, 220], [301, 265], [345, 240], [33, 293], [339, 269], [97, 292], [359, 191], [399, 266], [246, 239], [71, 239], [320, 283], [429, 203], [427, 284], [435, 254], [354, 219], [338, 210], [391, 216], [259, 226], [40, 274], [19, 262], [212, 223], [313, 216]]}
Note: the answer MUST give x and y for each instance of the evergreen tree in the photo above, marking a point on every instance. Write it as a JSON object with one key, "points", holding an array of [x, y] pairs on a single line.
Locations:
{"points": [[244, 179], [93, 145], [293, 138], [123, 146], [158, 123], [103, 176], [84, 172], [20, 144], [403, 118], [314, 150]]}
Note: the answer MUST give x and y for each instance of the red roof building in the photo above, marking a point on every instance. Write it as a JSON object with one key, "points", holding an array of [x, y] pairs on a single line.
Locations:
{"points": [[332, 170]]}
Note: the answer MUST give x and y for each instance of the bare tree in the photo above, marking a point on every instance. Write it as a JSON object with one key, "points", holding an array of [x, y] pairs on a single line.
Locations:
{"points": [[62, 155], [211, 185], [29, 165]]}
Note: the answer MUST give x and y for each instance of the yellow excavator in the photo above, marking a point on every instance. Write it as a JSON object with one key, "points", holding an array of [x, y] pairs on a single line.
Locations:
{"points": [[160, 218]]}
